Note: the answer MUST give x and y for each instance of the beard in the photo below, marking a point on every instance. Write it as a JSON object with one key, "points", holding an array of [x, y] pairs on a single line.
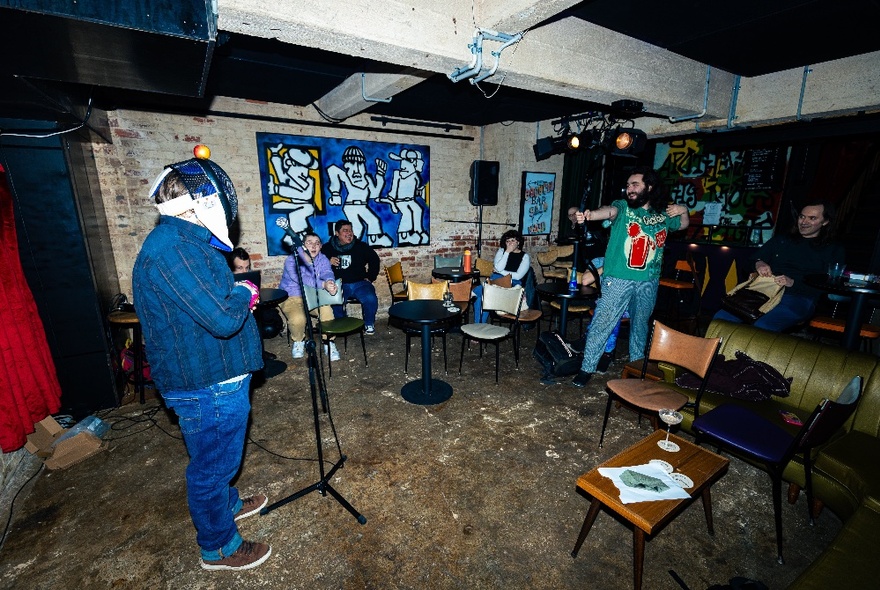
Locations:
{"points": [[637, 200]]}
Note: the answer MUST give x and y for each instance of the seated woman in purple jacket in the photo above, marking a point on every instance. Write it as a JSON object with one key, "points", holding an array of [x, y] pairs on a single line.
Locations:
{"points": [[316, 272]]}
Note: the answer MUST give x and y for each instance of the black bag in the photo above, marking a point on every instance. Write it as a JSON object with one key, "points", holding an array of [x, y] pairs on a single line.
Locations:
{"points": [[745, 304], [557, 357]]}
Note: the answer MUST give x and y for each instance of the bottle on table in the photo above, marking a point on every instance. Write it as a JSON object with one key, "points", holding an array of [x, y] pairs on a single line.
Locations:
{"points": [[466, 261]]}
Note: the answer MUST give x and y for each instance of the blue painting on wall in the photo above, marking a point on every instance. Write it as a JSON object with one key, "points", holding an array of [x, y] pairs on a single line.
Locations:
{"points": [[308, 183]]}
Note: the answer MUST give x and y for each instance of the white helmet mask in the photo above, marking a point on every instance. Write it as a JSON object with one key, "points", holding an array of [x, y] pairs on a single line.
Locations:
{"points": [[211, 197]]}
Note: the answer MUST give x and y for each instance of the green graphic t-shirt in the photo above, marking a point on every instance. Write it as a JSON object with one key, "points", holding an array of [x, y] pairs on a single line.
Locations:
{"points": [[635, 248]]}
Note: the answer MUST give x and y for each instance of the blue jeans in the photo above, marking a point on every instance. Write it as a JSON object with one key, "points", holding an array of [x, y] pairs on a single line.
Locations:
{"points": [[481, 317], [792, 310], [366, 294], [213, 422]]}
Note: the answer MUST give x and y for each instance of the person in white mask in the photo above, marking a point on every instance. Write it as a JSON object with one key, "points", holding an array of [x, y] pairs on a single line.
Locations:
{"points": [[203, 344]]}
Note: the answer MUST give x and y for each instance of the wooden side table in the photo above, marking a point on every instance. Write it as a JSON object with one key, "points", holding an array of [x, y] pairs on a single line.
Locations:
{"points": [[703, 467]]}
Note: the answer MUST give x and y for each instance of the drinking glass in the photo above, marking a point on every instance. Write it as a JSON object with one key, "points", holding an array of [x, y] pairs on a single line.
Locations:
{"points": [[447, 299], [835, 270], [670, 417]]}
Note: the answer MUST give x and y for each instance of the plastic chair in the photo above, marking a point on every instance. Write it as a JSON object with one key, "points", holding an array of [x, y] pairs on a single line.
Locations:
{"points": [[396, 282], [648, 396], [495, 298], [444, 261], [770, 442], [342, 327]]}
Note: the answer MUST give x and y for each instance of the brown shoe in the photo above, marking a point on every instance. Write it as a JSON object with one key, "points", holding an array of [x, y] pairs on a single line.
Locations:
{"points": [[248, 555], [251, 505]]}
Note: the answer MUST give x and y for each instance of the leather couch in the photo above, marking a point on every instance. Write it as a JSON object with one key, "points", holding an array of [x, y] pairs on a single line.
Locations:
{"points": [[846, 472]]}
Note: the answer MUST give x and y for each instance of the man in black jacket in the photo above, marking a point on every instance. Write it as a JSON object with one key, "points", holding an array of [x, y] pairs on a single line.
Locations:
{"points": [[357, 266]]}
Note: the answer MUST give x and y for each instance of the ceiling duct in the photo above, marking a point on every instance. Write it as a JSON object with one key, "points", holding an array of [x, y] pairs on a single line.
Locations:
{"points": [[163, 47]]}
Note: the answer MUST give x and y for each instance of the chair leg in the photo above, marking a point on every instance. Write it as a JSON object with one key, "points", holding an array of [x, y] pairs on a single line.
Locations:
{"points": [[605, 420], [777, 512], [464, 339], [497, 360], [364, 348], [808, 483], [445, 365]]}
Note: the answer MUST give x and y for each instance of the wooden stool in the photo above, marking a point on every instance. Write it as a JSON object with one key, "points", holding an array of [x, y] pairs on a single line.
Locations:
{"points": [[129, 320], [867, 332]]}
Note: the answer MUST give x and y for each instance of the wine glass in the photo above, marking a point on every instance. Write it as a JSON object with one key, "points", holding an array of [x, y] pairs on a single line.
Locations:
{"points": [[670, 417]]}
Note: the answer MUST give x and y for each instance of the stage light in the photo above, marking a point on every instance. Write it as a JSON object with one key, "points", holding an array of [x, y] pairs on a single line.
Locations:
{"points": [[574, 142], [547, 146], [627, 142]]}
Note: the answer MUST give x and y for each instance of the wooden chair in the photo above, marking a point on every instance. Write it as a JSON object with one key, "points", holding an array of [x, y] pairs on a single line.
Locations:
{"points": [[462, 295], [648, 396], [341, 327], [497, 299], [434, 291], [771, 442], [682, 301], [545, 261], [837, 323], [396, 282]]}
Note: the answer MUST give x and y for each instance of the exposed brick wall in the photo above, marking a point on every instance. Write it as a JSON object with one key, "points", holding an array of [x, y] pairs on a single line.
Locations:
{"points": [[144, 142]]}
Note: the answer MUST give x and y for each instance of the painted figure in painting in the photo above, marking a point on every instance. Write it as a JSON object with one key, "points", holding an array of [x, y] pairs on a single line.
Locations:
{"points": [[294, 190], [360, 187], [406, 187]]}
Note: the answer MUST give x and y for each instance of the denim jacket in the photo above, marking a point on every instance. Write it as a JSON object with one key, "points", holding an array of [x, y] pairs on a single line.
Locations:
{"points": [[196, 323]]}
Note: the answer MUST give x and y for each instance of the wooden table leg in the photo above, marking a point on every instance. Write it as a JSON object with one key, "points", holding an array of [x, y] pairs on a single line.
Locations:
{"points": [[638, 556], [707, 508], [588, 524]]}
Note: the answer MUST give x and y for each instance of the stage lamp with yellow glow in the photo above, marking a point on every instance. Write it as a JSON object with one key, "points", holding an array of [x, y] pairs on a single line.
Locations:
{"points": [[627, 142]]}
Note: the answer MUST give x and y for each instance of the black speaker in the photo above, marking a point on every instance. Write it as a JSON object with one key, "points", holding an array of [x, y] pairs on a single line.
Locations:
{"points": [[484, 182]]}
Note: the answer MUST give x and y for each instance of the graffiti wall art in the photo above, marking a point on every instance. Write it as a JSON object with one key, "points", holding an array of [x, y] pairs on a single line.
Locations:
{"points": [[733, 196], [308, 183]]}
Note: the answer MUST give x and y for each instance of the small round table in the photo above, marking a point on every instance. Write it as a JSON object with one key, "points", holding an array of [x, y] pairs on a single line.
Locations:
{"points": [[858, 291], [270, 298], [455, 274], [426, 313], [559, 290]]}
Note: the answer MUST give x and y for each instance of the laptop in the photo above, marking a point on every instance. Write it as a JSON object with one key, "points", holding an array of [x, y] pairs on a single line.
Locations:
{"points": [[251, 275]]}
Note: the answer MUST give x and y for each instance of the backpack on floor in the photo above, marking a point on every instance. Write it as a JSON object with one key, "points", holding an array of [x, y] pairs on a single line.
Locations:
{"points": [[557, 357]]}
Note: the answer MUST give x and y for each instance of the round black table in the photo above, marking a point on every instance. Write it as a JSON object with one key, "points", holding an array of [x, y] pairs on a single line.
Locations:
{"points": [[426, 313], [454, 274], [858, 292], [270, 298], [560, 290]]}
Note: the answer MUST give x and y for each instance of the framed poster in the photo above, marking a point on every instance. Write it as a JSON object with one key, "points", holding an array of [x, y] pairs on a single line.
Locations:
{"points": [[536, 203]]}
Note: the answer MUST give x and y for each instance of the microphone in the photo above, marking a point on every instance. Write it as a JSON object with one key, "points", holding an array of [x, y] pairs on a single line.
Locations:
{"points": [[294, 238]]}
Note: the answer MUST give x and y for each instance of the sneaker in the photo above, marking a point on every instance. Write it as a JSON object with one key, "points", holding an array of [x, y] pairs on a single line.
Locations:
{"points": [[248, 555], [299, 349], [581, 379], [605, 361], [370, 330], [333, 352], [251, 506]]}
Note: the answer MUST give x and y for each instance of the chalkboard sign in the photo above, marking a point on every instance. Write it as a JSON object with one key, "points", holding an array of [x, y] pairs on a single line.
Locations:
{"points": [[764, 169]]}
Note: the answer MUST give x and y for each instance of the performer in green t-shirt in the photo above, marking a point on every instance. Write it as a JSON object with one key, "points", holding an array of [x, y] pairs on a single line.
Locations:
{"points": [[640, 225]]}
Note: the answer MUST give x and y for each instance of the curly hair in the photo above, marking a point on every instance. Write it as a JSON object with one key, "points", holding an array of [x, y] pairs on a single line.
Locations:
{"points": [[512, 233], [656, 191]]}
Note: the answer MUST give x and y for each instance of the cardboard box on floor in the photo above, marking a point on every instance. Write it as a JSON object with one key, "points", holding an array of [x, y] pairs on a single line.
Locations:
{"points": [[67, 452]]}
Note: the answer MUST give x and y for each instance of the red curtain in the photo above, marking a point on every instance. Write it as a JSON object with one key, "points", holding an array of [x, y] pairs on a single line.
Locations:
{"points": [[29, 389]]}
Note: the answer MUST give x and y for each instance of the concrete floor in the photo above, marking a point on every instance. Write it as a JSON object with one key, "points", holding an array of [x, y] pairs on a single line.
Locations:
{"points": [[477, 492]]}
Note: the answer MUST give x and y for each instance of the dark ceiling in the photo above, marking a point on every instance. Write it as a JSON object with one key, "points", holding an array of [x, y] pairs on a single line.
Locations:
{"points": [[748, 37]]}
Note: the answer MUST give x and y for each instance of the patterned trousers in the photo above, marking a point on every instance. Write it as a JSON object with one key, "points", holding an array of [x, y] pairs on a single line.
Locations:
{"points": [[618, 296]]}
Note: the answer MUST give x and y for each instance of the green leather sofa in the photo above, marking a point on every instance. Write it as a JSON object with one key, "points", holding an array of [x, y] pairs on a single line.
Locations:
{"points": [[846, 472]]}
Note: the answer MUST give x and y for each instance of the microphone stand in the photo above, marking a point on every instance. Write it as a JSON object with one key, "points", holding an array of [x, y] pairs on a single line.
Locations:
{"points": [[318, 388]]}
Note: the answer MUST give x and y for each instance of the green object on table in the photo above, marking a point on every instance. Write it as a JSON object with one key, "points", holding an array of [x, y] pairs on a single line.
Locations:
{"points": [[634, 479]]}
